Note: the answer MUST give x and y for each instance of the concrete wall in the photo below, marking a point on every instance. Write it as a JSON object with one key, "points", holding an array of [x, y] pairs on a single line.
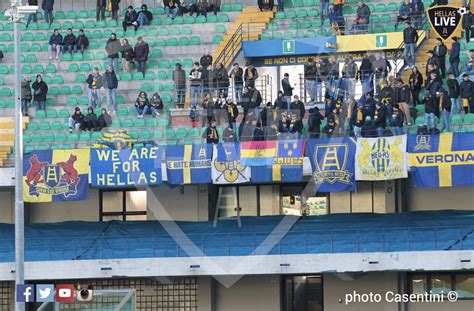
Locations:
{"points": [[7, 205]]}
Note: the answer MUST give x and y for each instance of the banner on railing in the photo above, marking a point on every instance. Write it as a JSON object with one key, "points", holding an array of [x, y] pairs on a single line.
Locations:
{"points": [[258, 153], [443, 160], [56, 175], [226, 167], [381, 158], [189, 164], [128, 167]]}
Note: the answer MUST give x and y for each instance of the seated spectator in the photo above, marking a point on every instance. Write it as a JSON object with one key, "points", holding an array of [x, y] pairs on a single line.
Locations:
{"points": [[55, 42], [362, 18], [140, 53], [40, 89], [76, 120], [104, 120], [210, 134], [265, 5], [82, 42], [25, 95], [380, 119], [127, 55], [418, 14], [94, 84], [258, 134], [90, 120], [406, 12], [144, 16], [156, 104], [142, 104], [130, 19], [368, 129], [187, 6], [396, 120], [69, 42], [202, 7], [171, 7], [314, 122], [215, 6], [194, 116]]}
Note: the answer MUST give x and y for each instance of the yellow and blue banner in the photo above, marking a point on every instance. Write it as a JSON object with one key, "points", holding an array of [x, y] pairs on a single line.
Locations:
{"points": [[258, 153], [442, 160], [56, 175], [127, 167], [287, 165], [115, 139], [226, 167], [332, 161], [189, 164], [381, 158]]}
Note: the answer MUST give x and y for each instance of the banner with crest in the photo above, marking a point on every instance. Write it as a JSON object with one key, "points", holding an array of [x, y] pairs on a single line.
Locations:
{"points": [[226, 166]]}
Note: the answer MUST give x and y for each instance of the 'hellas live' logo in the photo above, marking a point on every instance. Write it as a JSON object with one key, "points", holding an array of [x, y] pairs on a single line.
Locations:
{"points": [[445, 19]]}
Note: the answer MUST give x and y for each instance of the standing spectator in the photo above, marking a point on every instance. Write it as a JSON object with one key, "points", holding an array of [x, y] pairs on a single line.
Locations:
{"points": [[112, 48], [468, 65], [350, 72], [141, 52], [127, 55], [69, 42], [444, 105], [55, 42], [440, 52], [76, 120], [201, 8], [210, 134], [368, 129], [48, 6], [194, 116], [100, 9], [410, 38], [179, 79], [219, 106], [468, 24], [281, 104], [232, 114], [405, 13], [295, 127], [314, 122], [338, 5], [111, 84], [171, 7], [142, 104], [324, 73], [114, 8], [82, 42], [396, 120], [332, 123], [430, 110], [380, 119], [324, 10], [287, 88], [310, 73], [433, 85], [403, 97], [104, 120], [415, 83], [453, 88], [467, 91], [195, 81], [208, 108], [265, 5], [454, 56], [250, 74], [144, 16], [255, 100], [333, 76], [297, 107], [357, 120], [94, 84], [156, 105], [337, 21], [363, 13], [25, 95], [237, 75], [228, 135], [222, 79], [214, 6], [130, 19], [33, 16], [431, 65], [280, 5], [40, 89], [366, 74], [90, 120], [207, 79], [380, 70]]}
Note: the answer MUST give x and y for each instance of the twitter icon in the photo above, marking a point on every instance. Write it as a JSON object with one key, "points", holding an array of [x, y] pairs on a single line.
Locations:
{"points": [[45, 293]]}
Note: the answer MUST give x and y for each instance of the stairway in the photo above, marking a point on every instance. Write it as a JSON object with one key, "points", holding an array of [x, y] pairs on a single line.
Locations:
{"points": [[7, 137]]}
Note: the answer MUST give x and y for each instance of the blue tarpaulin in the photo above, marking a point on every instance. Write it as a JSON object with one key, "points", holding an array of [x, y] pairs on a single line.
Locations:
{"points": [[338, 233]]}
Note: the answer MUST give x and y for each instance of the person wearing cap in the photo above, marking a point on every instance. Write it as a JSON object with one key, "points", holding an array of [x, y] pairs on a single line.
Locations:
{"points": [[396, 120], [454, 56], [179, 80], [144, 16], [410, 38], [237, 75], [466, 93], [141, 52], [130, 19], [76, 120]]}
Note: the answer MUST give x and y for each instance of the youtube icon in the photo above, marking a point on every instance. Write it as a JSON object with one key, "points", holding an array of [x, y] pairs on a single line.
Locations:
{"points": [[65, 292]]}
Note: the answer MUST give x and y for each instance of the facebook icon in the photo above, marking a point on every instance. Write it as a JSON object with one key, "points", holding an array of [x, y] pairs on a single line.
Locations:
{"points": [[25, 293]]}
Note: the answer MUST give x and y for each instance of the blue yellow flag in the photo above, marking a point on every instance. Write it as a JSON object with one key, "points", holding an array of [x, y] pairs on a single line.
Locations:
{"points": [[188, 164], [332, 161], [442, 160], [115, 139], [228, 152], [56, 175], [287, 166], [257, 153]]}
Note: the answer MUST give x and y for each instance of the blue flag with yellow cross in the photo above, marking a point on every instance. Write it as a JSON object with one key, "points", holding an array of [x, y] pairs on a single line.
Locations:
{"points": [[442, 160], [188, 164]]}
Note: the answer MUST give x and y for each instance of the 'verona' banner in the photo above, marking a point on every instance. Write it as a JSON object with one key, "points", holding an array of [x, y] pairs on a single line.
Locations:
{"points": [[444, 19]]}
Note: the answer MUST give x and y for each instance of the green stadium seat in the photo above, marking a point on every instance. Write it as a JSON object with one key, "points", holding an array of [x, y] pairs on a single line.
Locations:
{"points": [[61, 137], [78, 25], [65, 90], [156, 21], [27, 36], [288, 35], [48, 137], [84, 136], [172, 42], [186, 30], [178, 20], [201, 19], [126, 76], [38, 69], [80, 78], [380, 7], [63, 113], [220, 29], [85, 67], [56, 125], [90, 24], [167, 21], [183, 41], [59, 15], [73, 137], [5, 92], [181, 133], [223, 18], [138, 76], [122, 111], [301, 13], [146, 87], [195, 40], [419, 121], [134, 135], [33, 126], [469, 118], [156, 53], [54, 90], [189, 20], [100, 24], [120, 99], [144, 134], [420, 109], [212, 19], [51, 113], [313, 13], [157, 134], [164, 122], [217, 39], [139, 122], [385, 18], [226, 7], [390, 28], [67, 25], [3, 69], [378, 29], [158, 87], [83, 14], [456, 119], [95, 136], [73, 67], [295, 24], [26, 69], [149, 76], [160, 42], [169, 133], [36, 138], [392, 6], [58, 79], [50, 68], [76, 90], [5, 37]]}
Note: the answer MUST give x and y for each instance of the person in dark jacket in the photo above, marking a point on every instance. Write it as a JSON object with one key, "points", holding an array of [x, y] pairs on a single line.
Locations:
{"points": [[438, 2], [179, 79], [454, 91], [76, 120], [156, 105], [468, 24], [268, 116], [287, 88], [406, 12], [454, 56], [467, 91], [114, 5], [69, 42], [130, 19], [250, 75], [144, 16], [357, 120], [332, 124], [82, 42], [55, 42], [206, 59], [404, 99], [415, 82], [396, 120], [440, 52], [100, 9], [94, 84], [280, 103], [33, 17], [171, 7], [232, 113], [90, 120], [48, 6], [258, 134], [366, 74], [434, 84], [140, 53], [127, 55], [40, 89], [222, 80], [431, 66], [210, 134], [113, 47], [195, 82], [25, 95], [247, 126], [350, 72], [265, 5], [254, 101], [444, 106], [297, 107], [194, 117], [228, 135], [368, 128], [104, 120], [111, 84], [430, 110], [410, 38], [310, 73], [380, 119], [237, 74], [142, 104], [314, 122]]}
